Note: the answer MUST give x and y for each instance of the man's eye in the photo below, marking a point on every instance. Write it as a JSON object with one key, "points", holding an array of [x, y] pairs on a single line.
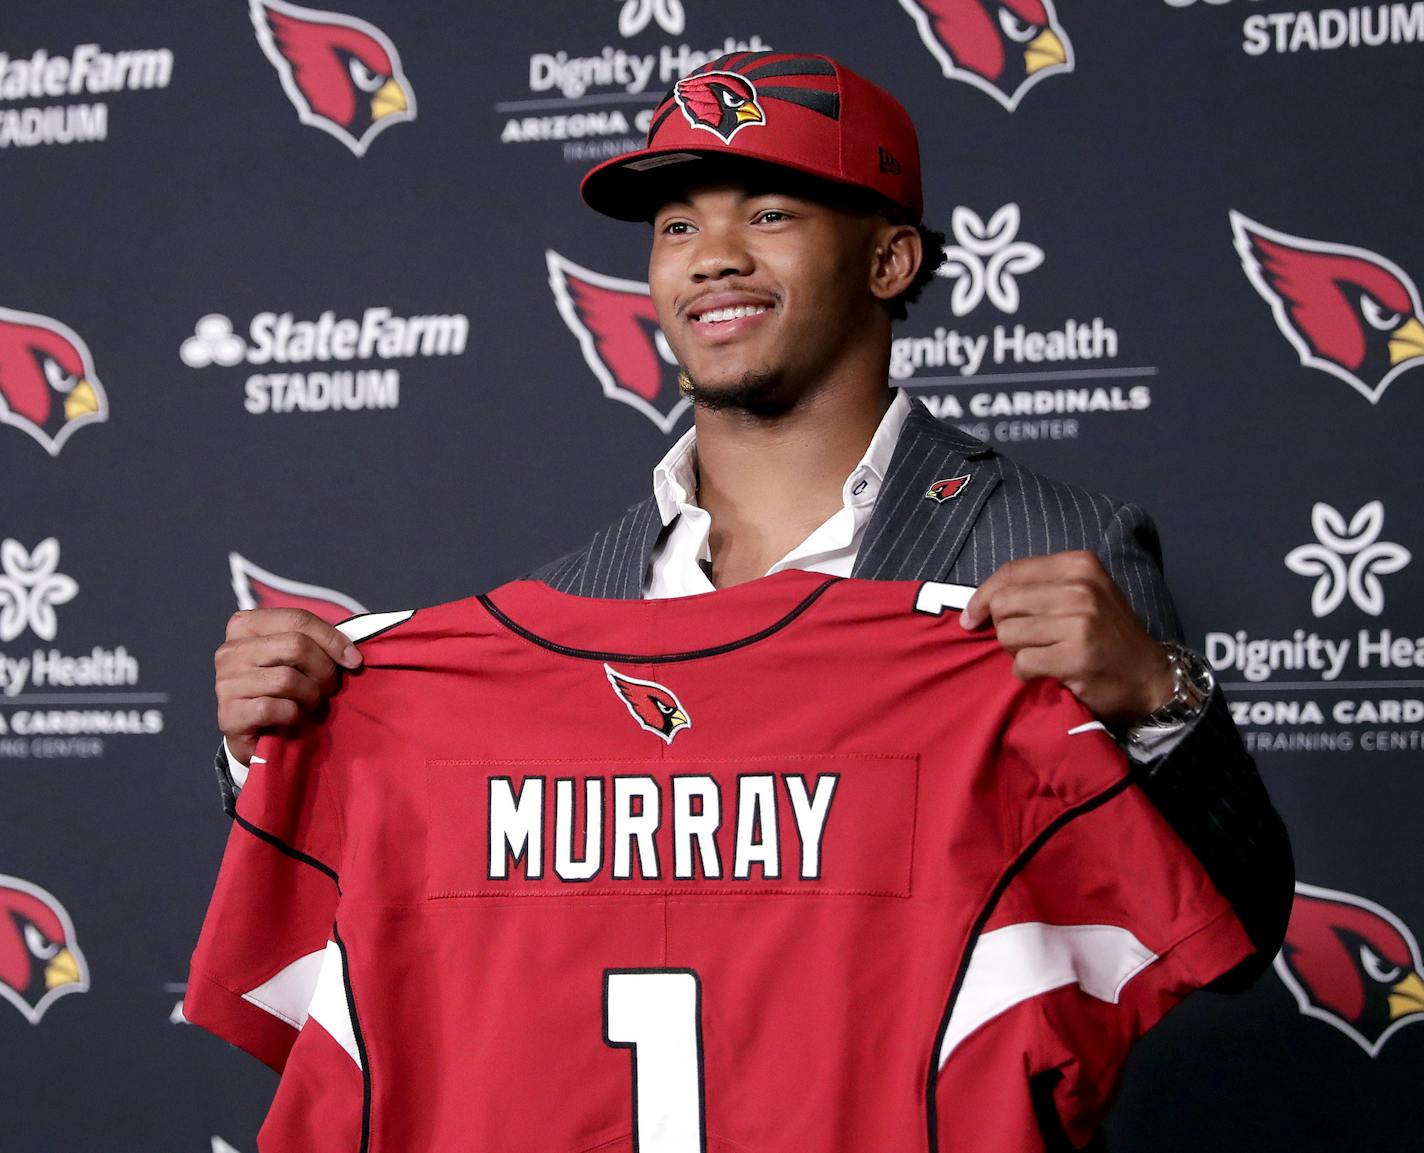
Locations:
{"points": [[772, 216], [676, 228]]}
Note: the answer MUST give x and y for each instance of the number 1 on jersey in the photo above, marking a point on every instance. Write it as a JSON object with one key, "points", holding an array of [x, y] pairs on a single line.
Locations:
{"points": [[657, 1013]]}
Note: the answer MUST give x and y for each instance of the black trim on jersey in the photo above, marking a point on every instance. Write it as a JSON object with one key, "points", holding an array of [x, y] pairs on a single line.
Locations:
{"points": [[282, 846], [360, 1041], [1003, 883], [656, 658]]}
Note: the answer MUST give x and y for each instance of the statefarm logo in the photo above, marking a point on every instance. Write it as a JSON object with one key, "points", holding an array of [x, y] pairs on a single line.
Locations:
{"points": [[256, 588], [57, 84], [1002, 47], [281, 339], [55, 703], [618, 333], [600, 104], [1325, 29], [1310, 691], [342, 75], [1353, 964], [49, 388], [984, 263], [40, 958], [1347, 311]]}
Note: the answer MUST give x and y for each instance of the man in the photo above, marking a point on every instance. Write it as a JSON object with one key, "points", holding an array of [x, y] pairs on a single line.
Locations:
{"points": [[784, 195]]}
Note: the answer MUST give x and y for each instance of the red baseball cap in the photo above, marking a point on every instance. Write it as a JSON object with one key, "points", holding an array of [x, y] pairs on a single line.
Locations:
{"points": [[807, 113]]}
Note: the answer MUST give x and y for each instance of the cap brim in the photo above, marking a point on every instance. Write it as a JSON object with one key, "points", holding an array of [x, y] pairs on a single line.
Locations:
{"points": [[635, 185]]}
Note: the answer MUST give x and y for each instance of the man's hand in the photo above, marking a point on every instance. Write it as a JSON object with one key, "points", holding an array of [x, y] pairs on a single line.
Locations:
{"points": [[275, 666], [1061, 616]]}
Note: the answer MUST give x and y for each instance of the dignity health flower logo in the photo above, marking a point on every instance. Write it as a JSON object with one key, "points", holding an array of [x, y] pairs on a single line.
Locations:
{"points": [[638, 14], [986, 259], [30, 588], [1347, 560]]}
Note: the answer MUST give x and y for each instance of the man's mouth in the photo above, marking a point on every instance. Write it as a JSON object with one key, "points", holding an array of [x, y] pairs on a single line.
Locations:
{"points": [[723, 315]]}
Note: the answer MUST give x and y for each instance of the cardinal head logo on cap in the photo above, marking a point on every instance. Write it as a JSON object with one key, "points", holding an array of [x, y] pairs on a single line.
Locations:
{"points": [[722, 103]]}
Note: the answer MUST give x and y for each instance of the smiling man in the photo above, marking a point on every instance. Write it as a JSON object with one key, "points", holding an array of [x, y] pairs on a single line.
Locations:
{"points": [[784, 197]]}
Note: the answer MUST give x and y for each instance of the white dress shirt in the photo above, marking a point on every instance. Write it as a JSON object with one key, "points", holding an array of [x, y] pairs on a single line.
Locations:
{"points": [[677, 569]]}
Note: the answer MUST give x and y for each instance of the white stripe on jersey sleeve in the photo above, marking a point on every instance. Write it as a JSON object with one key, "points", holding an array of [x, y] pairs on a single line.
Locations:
{"points": [[359, 628], [1088, 727], [329, 1007], [1019, 962], [287, 995]]}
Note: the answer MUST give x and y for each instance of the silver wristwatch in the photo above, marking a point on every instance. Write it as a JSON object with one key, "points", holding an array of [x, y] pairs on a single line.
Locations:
{"points": [[1192, 683]]}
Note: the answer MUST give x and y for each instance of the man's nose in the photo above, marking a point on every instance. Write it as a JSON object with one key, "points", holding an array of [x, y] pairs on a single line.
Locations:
{"points": [[720, 253]]}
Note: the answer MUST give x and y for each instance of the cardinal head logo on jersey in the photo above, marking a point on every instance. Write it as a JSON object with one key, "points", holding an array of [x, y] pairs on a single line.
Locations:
{"points": [[39, 959], [1353, 964], [256, 588], [1002, 47], [723, 103], [1345, 310], [622, 343], [48, 386], [343, 74], [655, 707]]}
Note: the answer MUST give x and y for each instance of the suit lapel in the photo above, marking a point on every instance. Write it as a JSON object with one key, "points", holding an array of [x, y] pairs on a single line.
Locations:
{"points": [[912, 536], [619, 555]]}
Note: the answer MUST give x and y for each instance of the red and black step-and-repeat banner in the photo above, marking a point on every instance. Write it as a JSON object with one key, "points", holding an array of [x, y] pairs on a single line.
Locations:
{"points": [[301, 306]]}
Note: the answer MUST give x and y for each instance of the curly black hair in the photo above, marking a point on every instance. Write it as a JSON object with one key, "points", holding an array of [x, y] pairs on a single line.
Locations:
{"points": [[932, 243]]}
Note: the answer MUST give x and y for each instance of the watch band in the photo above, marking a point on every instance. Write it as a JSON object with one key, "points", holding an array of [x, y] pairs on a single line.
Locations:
{"points": [[1192, 685]]}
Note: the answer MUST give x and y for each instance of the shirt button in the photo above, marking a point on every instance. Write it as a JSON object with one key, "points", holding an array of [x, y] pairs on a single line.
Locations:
{"points": [[858, 488]]}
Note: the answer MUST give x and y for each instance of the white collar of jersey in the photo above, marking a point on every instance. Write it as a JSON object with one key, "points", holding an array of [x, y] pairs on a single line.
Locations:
{"points": [[675, 476]]}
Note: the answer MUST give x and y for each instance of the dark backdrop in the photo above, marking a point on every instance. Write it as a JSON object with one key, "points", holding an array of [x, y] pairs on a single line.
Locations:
{"points": [[195, 477]]}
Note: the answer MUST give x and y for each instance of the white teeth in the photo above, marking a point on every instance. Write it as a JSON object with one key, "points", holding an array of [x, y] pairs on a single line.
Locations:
{"points": [[721, 315]]}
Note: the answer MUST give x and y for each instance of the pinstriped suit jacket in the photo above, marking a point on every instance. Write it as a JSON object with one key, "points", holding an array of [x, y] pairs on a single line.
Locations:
{"points": [[1207, 788]]}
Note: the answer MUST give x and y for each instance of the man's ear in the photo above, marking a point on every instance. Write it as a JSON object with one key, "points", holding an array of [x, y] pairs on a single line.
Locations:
{"points": [[895, 259]]}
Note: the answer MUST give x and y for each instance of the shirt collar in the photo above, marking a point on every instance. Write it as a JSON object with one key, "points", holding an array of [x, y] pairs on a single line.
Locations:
{"points": [[675, 476]]}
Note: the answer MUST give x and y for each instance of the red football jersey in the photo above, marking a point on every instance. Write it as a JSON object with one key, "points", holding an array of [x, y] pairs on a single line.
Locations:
{"points": [[794, 866]]}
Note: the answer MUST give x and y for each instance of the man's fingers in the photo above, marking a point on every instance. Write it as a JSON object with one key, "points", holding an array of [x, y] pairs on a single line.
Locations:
{"points": [[1018, 633], [249, 624], [236, 658], [241, 720], [280, 682], [297, 651], [1041, 661], [1073, 598], [1055, 569]]}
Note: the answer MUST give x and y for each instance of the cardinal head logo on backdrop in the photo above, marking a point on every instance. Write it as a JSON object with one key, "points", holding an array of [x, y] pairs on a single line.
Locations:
{"points": [[343, 75], [256, 588], [40, 960], [48, 386], [1345, 310], [1352, 964], [622, 344], [1002, 47]]}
